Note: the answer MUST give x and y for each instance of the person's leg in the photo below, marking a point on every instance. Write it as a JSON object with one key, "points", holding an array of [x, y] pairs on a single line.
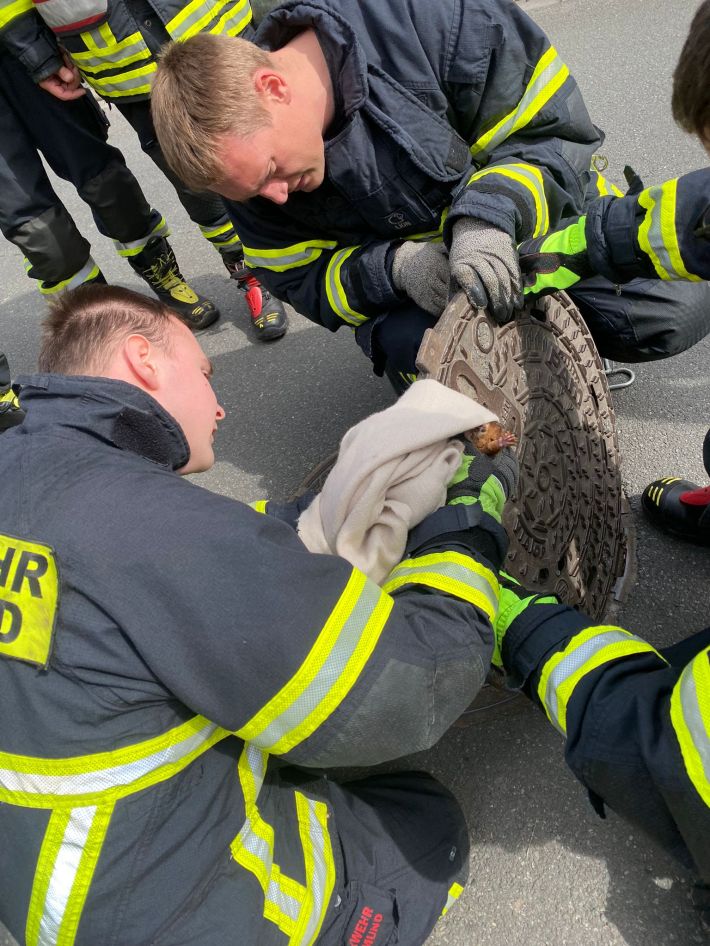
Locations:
{"points": [[11, 414], [209, 212], [405, 855], [645, 319]]}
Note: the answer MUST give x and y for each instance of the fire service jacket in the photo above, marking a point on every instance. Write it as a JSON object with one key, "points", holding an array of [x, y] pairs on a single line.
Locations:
{"points": [[163, 650], [443, 110]]}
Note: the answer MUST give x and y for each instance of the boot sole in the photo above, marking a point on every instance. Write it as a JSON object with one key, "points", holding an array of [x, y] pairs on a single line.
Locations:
{"points": [[570, 527]]}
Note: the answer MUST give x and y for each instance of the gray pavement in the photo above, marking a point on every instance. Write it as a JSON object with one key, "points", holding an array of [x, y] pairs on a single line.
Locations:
{"points": [[544, 868]]}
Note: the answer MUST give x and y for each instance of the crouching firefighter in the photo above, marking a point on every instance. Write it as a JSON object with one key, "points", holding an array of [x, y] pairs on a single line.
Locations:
{"points": [[185, 667]]}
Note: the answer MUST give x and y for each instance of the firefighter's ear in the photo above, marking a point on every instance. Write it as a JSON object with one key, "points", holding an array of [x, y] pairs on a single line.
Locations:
{"points": [[272, 86], [141, 362]]}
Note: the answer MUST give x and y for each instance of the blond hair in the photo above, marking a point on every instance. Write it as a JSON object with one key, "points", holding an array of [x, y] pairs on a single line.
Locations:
{"points": [[203, 90]]}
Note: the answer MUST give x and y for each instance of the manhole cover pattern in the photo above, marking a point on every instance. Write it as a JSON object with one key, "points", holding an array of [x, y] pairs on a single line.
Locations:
{"points": [[542, 375]]}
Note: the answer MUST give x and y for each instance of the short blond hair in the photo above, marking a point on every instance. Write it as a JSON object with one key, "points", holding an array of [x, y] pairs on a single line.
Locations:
{"points": [[203, 90]]}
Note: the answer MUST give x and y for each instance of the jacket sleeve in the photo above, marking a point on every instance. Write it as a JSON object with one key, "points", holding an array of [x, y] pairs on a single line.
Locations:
{"points": [[297, 653], [524, 118], [24, 35], [636, 721], [330, 283]]}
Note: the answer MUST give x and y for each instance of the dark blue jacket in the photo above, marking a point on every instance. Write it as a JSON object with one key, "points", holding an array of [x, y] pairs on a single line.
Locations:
{"points": [[443, 109]]}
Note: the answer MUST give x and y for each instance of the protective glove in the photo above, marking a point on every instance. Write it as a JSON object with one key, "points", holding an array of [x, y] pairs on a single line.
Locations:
{"points": [[514, 599], [484, 263], [421, 270], [489, 481], [556, 261]]}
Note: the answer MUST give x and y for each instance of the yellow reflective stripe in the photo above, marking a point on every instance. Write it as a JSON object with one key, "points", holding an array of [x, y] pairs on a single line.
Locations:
{"points": [[97, 778], [452, 572], [531, 178], [329, 671], [127, 83], [196, 16], [134, 247], [320, 868], [111, 54], [658, 236], [584, 653], [287, 257], [253, 848], [11, 9], [336, 292], [455, 892], [605, 188], [88, 271], [65, 868], [259, 505], [690, 715], [549, 75]]}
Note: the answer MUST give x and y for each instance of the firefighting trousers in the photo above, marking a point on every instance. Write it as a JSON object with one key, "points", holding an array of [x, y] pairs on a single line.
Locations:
{"points": [[643, 320], [403, 857], [636, 720], [72, 138]]}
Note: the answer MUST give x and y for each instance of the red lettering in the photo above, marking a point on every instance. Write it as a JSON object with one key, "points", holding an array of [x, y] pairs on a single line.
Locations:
{"points": [[372, 935], [360, 927]]}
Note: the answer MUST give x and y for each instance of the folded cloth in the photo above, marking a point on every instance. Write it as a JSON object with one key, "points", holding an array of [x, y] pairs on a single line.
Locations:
{"points": [[392, 471]]}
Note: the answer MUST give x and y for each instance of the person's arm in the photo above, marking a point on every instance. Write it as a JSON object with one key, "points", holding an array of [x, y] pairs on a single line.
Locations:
{"points": [[331, 283], [24, 34], [637, 728], [661, 232], [298, 653]]}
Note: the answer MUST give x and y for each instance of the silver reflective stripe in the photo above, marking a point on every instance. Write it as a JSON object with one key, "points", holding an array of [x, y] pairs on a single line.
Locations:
{"points": [[335, 292], [197, 16], [98, 60], [93, 781], [64, 871], [658, 236], [459, 573], [574, 662], [553, 72], [59, 14], [289, 257], [319, 687], [161, 229], [693, 717], [319, 881], [88, 271], [135, 82]]}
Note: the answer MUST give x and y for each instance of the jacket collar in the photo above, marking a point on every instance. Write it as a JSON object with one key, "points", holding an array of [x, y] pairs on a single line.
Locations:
{"points": [[117, 413]]}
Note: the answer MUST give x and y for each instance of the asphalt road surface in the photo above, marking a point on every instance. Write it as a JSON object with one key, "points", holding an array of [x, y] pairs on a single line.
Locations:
{"points": [[544, 868]]}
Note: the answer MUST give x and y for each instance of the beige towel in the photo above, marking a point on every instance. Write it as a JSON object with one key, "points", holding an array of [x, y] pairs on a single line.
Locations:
{"points": [[392, 471]]}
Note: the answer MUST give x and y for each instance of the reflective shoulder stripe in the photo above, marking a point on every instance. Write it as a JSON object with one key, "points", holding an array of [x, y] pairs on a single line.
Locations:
{"points": [[336, 292], [530, 177], [584, 653], [11, 9], [690, 716], [328, 672], [451, 572], [104, 776], [65, 15], [455, 892], [657, 235], [210, 16], [259, 505], [287, 257], [548, 77], [296, 909]]}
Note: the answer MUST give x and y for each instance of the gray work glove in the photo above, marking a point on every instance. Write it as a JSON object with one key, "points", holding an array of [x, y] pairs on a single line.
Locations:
{"points": [[484, 263], [421, 270]]}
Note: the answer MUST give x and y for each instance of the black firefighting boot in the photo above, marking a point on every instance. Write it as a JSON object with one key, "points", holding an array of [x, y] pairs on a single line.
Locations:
{"points": [[268, 316], [11, 414], [156, 264]]}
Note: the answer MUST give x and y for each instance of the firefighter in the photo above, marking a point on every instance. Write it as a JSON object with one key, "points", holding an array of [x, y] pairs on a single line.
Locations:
{"points": [[71, 136], [374, 132], [114, 44], [175, 669]]}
